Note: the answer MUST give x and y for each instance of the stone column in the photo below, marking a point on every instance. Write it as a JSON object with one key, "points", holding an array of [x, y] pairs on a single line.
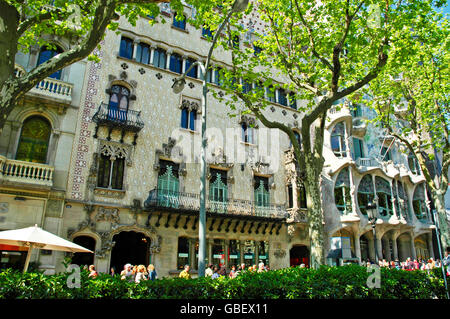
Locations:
{"points": [[413, 248], [379, 248], [152, 53], [430, 244], [135, 46], [183, 65], [169, 53], [210, 243], [394, 247], [192, 257], [393, 200], [14, 138], [226, 254], [371, 246], [356, 239]]}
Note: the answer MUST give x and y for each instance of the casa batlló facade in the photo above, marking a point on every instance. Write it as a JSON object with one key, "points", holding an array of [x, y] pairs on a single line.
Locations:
{"points": [[122, 173]]}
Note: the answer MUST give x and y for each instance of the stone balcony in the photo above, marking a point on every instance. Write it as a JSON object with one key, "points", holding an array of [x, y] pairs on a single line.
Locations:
{"points": [[49, 89], [13, 172]]}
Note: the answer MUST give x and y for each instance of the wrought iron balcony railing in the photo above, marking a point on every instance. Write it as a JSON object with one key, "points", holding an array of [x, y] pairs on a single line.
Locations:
{"points": [[112, 116], [191, 202]]}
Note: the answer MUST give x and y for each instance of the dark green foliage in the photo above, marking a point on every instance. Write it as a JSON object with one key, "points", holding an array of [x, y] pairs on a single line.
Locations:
{"points": [[348, 282]]}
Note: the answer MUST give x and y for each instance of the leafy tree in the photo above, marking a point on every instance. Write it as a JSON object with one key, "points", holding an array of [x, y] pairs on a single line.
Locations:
{"points": [[28, 23], [326, 51], [412, 102]]}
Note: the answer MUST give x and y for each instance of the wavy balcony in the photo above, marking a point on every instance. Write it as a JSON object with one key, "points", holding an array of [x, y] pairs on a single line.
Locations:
{"points": [[28, 173], [188, 202]]}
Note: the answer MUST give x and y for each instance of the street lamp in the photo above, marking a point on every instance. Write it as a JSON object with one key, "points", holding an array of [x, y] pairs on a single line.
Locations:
{"points": [[177, 87], [372, 216]]}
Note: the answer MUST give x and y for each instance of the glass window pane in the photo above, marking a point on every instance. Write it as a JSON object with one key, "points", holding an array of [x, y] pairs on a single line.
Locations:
{"points": [[33, 143]]}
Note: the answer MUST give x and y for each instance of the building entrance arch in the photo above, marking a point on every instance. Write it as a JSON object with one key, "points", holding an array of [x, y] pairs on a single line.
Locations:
{"points": [[130, 247], [299, 254]]}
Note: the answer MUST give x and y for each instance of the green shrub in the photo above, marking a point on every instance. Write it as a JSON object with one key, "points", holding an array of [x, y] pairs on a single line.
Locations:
{"points": [[347, 282]]}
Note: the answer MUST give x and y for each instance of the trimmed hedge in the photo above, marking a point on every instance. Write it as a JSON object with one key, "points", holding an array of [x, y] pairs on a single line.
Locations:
{"points": [[290, 283]]}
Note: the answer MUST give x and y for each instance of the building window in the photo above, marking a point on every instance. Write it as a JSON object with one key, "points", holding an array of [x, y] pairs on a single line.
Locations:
{"points": [[246, 87], [342, 192], [218, 77], [193, 72], [356, 110], [183, 253], [419, 205], [180, 24], [413, 164], [290, 196], [110, 172], [386, 154], [235, 42], [247, 133], [403, 197], [270, 94], [282, 97], [176, 63], [118, 103], [302, 203], [234, 254], [34, 138], [143, 53], [46, 54], [126, 48], [218, 188], [256, 50], [263, 252], [366, 193], [383, 189], [262, 195], [188, 118], [159, 58], [168, 184], [338, 140], [358, 149], [207, 33], [218, 252]]}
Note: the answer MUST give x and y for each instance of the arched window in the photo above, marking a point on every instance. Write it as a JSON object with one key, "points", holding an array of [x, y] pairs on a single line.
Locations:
{"points": [[180, 24], [218, 188], [338, 140], [384, 196], [33, 143], [342, 192], [262, 195], [118, 103], [168, 184], [366, 193], [110, 172], [403, 200], [47, 53], [419, 206]]}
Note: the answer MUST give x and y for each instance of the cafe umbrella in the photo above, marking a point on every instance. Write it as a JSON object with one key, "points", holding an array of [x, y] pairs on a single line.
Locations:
{"points": [[36, 238]]}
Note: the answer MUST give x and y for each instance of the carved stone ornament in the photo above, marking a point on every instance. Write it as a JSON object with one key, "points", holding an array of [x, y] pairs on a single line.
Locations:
{"points": [[115, 150], [169, 150], [108, 214], [249, 120], [190, 104], [279, 253]]}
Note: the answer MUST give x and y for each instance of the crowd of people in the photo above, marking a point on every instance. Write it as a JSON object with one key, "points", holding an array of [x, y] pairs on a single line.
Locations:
{"points": [[215, 272], [139, 273]]}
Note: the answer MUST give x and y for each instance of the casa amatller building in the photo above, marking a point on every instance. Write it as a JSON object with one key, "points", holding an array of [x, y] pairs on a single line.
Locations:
{"points": [[93, 155]]}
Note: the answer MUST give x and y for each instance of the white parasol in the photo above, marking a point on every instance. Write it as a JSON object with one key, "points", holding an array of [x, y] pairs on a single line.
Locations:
{"points": [[36, 237]]}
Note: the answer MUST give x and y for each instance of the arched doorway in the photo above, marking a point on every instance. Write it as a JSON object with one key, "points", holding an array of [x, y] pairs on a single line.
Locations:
{"points": [[299, 254], [82, 259], [130, 247]]}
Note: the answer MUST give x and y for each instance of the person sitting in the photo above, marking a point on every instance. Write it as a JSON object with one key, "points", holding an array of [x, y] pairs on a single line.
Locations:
{"points": [[92, 272]]}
